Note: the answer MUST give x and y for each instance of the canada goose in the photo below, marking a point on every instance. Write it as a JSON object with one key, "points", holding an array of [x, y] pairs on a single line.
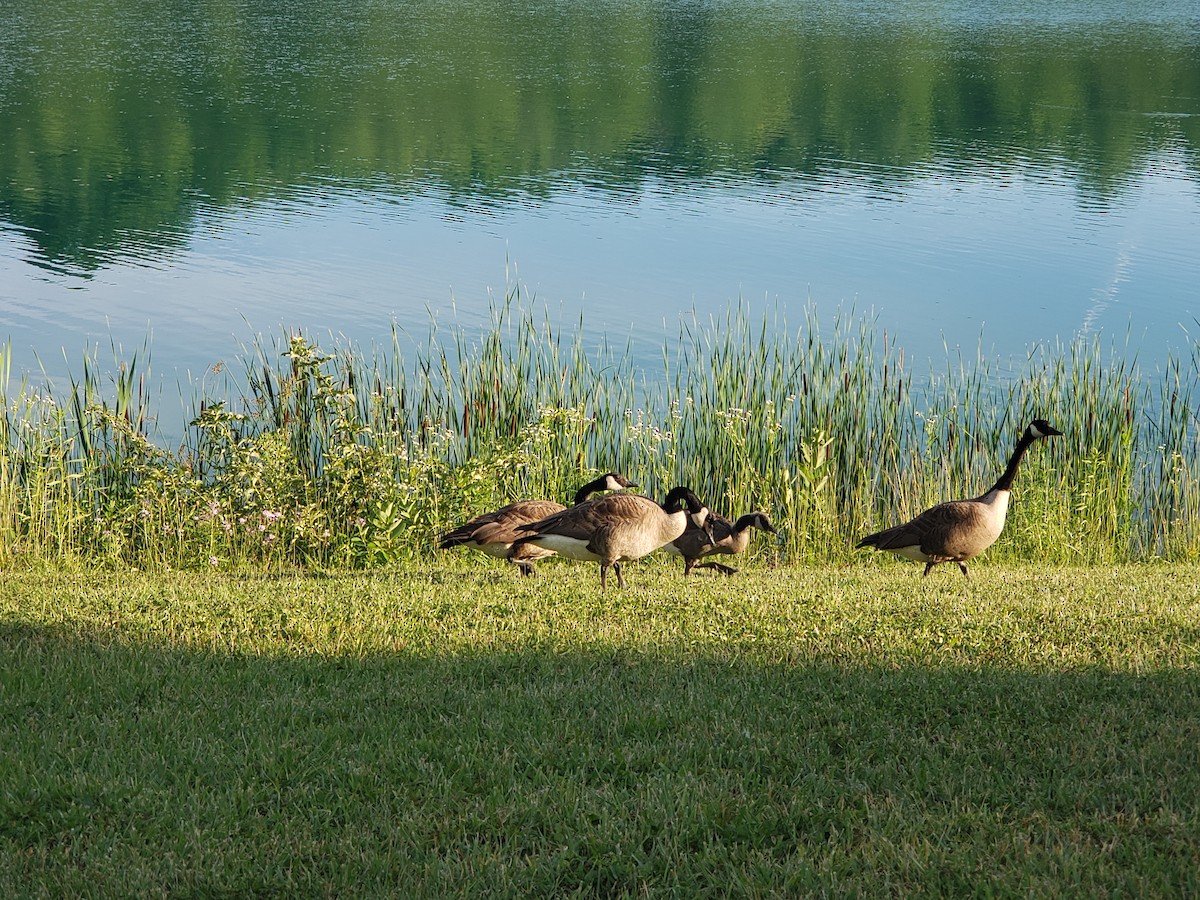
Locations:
{"points": [[616, 528], [957, 530], [727, 537], [495, 532]]}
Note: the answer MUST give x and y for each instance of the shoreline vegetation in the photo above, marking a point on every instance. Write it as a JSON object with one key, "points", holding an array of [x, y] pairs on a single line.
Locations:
{"points": [[302, 456]]}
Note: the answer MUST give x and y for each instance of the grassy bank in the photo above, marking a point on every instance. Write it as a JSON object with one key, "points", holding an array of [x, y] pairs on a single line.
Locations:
{"points": [[298, 456], [461, 731]]}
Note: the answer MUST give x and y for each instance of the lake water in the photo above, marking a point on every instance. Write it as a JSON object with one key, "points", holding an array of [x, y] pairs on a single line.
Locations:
{"points": [[994, 174]]}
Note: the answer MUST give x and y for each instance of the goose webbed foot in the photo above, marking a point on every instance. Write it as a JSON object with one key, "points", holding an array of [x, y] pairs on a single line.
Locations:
{"points": [[720, 567]]}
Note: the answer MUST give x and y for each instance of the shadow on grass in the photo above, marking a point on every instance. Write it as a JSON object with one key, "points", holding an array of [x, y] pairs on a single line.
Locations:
{"points": [[133, 768]]}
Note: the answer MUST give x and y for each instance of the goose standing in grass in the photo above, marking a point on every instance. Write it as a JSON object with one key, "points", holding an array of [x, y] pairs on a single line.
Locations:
{"points": [[727, 537], [617, 528], [494, 533], [958, 530]]}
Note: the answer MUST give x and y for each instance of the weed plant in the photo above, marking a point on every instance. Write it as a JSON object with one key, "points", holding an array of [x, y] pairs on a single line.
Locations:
{"points": [[301, 456]]}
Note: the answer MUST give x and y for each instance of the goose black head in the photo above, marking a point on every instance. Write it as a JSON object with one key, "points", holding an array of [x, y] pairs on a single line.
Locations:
{"points": [[1040, 428], [762, 523], [612, 481], [615, 481], [755, 520]]}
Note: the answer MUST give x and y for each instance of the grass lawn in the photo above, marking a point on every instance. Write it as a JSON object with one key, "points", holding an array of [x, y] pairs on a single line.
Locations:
{"points": [[457, 730]]}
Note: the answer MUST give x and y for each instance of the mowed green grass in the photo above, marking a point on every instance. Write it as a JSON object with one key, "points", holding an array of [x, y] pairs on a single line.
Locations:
{"points": [[459, 731]]}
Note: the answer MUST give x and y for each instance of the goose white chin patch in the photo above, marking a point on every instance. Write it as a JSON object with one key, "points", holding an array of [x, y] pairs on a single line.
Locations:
{"points": [[1036, 432], [701, 517]]}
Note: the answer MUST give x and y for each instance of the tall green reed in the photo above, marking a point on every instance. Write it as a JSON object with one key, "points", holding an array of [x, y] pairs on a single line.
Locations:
{"points": [[332, 457]]}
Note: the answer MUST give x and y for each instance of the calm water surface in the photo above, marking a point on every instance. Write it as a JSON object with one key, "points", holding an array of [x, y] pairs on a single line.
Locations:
{"points": [[991, 174]]}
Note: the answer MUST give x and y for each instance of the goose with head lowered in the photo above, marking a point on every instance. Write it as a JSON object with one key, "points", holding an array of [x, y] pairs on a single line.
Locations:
{"points": [[727, 537], [494, 533], [617, 528], [958, 530]]}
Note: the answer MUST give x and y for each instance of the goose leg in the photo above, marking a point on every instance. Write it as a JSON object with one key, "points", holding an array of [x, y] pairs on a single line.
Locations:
{"points": [[963, 566], [526, 568], [620, 577], [603, 576], [687, 566], [928, 566]]}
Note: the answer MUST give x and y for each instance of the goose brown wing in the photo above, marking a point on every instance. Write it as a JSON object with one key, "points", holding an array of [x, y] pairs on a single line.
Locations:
{"points": [[582, 521], [930, 530], [524, 511], [501, 525]]}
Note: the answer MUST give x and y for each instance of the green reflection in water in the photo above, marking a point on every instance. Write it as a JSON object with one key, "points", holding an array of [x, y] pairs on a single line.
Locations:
{"points": [[119, 119]]}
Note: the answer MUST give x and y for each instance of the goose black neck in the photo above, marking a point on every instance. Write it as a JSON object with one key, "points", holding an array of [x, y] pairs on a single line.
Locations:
{"points": [[744, 522], [592, 487], [671, 504], [1006, 480]]}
